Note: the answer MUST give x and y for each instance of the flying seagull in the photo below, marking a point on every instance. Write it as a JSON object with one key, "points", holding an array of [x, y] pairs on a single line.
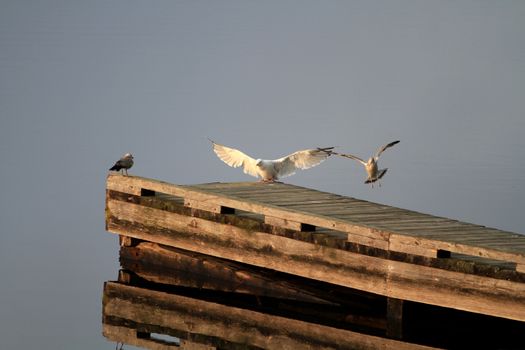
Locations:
{"points": [[271, 170], [374, 173], [123, 163]]}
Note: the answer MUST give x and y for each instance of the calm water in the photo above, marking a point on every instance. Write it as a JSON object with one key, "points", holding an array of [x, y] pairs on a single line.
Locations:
{"points": [[82, 83]]}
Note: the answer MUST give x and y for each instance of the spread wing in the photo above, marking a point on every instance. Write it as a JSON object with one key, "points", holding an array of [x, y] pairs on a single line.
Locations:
{"points": [[382, 149], [305, 159], [235, 158], [351, 157]]}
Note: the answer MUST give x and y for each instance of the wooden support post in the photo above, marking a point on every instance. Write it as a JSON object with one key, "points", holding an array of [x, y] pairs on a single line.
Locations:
{"points": [[520, 268], [292, 225], [394, 318]]}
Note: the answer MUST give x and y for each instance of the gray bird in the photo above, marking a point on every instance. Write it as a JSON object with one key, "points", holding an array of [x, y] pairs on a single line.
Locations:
{"points": [[371, 167], [123, 163], [271, 170]]}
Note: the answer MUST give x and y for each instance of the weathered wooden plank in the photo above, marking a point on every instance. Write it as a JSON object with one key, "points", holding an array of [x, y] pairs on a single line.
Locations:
{"points": [[130, 336], [362, 210], [476, 239], [328, 238], [472, 293], [390, 220], [212, 207], [400, 241], [460, 237], [507, 245], [241, 219], [229, 185], [357, 233], [231, 325], [430, 227], [292, 225], [265, 193], [170, 266], [289, 201], [230, 242], [349, 206], [372, 208], [373, 235]]}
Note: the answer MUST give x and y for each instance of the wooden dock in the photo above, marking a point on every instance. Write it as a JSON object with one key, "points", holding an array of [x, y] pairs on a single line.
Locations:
{"points": [[396, 255], [223, 305]]}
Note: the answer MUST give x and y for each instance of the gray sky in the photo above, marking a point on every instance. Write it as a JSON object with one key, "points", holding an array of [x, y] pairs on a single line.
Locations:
{"points": [[83, 82]]}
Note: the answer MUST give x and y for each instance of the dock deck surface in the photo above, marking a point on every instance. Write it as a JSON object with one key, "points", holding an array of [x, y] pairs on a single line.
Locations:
{"points": [[375, 216]]}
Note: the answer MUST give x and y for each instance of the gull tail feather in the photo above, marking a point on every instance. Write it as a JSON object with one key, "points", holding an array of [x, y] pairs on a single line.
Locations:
{"points": [[380, 174]]}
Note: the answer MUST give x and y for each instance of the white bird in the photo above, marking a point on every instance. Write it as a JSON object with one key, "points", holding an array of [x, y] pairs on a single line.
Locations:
{"points": [[123, 163], [271, 170], [371, 167]]}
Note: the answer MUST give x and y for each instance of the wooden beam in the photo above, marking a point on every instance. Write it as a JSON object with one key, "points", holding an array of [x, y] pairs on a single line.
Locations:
{"points": [[292, 225], [334, 239], [170, 266], [357, 233], [378, 236], [222, 324], [212, 207], [385, 277], [233, 243], [401, 242], [130, 336]]}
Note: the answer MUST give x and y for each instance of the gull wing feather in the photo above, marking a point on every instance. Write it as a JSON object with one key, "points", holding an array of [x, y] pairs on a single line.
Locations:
{"points": [[235, 158], [352, 157], [304, 159], [382, 149]]}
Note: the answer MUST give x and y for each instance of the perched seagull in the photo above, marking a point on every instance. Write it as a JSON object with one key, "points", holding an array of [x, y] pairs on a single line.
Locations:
{"points": [[123, 163], [271, 170], [374, 174]]}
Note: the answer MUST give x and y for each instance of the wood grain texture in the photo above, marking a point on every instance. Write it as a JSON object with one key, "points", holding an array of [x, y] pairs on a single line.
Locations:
{"points": [[367, 223], [226, 326], [385, 277]]}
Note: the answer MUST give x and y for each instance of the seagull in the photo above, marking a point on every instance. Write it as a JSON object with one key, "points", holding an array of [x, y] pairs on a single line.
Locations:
{"points": [[123, 163], [271, 170], [374, 173]]}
